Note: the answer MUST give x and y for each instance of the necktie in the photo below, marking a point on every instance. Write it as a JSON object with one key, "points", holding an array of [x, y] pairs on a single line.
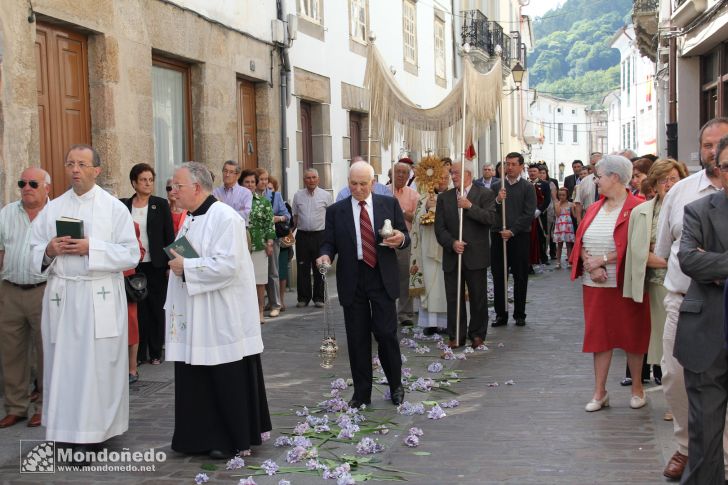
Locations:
{"points": [[368, 250], [596, 191]]}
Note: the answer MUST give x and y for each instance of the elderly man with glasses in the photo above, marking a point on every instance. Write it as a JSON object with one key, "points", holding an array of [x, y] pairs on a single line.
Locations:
{"points": [[21, 299], [232, 193]]}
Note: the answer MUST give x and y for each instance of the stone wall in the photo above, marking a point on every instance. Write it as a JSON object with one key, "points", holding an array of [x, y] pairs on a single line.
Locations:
{"points": [[122, 37]]}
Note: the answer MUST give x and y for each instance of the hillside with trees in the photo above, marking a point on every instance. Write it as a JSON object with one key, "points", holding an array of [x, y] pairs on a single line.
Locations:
{"points": [[572, 58]]}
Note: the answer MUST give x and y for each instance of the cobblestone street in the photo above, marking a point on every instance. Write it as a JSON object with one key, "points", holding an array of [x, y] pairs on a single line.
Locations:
{"points": [[533, 431]]}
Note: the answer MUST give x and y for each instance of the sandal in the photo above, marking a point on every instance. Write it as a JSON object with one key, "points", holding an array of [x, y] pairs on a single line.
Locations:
{"points": [[155, 361], [133, 377]]}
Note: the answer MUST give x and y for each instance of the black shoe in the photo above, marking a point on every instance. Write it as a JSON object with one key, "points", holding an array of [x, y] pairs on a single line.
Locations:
{"points": [[398, 396], [500, 322], [355, 403], [407, 323], [429, 331], [627, 381], [520, 322], [658, 380], [219, 455]]}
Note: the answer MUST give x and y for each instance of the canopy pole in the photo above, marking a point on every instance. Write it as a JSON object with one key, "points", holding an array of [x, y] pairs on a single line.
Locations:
{"points": [[503, 209], [458, 309]]}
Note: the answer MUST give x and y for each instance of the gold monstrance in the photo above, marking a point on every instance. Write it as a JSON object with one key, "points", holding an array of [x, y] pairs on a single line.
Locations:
{"points": [[427, 177]]}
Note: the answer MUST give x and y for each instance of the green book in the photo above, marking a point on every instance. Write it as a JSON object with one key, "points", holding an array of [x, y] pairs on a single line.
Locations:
{"points": [[182, 247], [68, 226]]}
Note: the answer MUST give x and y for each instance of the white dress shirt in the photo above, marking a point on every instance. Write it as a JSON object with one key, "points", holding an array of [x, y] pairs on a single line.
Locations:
{"points": [[670, 224], [357, 214]]}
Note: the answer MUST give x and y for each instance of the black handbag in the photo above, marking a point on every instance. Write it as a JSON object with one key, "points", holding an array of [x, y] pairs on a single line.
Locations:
{"points": [[283, 229], [136, 287]]}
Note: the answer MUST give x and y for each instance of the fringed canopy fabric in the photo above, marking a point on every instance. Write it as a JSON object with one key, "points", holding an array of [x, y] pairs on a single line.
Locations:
{"points": [[395, 117]]}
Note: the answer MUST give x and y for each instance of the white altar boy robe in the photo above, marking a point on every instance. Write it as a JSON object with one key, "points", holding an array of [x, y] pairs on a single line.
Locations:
{"points": [[212, 316], [84, 322]]}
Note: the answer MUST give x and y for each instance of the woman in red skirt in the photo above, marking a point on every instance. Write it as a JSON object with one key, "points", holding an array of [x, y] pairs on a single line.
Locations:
{"points": [[611, 320]]}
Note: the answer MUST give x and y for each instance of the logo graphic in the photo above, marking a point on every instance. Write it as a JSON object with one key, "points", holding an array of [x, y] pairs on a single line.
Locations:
{"points": [[40, 458]]}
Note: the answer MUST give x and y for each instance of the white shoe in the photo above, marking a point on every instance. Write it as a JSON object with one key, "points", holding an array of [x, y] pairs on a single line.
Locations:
{"points": [[597, 404], [274, 312], [637, 402]]}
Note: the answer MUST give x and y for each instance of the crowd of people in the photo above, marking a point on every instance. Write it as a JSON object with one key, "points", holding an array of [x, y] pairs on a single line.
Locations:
{"points": [[646, 240]]}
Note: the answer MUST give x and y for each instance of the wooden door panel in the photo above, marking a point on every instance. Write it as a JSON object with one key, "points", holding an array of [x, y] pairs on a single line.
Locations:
{"points": [[63, 103], [44, 122], [247, 126]]}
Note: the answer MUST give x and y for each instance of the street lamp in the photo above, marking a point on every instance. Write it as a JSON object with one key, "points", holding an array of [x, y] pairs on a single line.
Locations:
{"points": [[517, 72]]}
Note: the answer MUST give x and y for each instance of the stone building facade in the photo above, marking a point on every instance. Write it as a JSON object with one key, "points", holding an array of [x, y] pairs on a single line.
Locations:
{"points": [[153, 81]]}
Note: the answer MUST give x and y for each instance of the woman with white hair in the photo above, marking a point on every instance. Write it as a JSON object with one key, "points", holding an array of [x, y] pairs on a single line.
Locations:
{"points": [[611, 320]]}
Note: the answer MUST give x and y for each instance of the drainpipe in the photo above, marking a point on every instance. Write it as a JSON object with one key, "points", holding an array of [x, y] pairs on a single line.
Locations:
{"points": [[672, 100], [285, 95]]}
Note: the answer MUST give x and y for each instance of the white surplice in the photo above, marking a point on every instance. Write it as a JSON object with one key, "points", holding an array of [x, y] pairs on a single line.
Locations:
{"points": [[212, 316], [84, 323]]}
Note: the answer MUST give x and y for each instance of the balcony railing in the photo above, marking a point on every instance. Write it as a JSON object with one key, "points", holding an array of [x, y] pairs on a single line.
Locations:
{"points": [[486, 35], [647, 6]]}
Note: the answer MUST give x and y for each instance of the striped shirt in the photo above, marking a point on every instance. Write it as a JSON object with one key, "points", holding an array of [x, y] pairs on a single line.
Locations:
{"points": [[598, 240], [15, 241]]}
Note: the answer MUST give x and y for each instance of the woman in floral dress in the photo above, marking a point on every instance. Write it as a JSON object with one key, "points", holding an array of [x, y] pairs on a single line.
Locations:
{"points": [[564, 227], [262, 233]]}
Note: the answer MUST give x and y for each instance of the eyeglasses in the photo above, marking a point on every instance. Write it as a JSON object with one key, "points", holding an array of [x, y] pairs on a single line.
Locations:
{"points": [[70, 164], [33, 184], [168, 188], [178, 186], [723, 167], [674, 180], [229, 172]]}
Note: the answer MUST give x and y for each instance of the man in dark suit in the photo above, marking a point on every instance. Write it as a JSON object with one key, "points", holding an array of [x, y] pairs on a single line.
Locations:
{"points": [[571, 181], [543, 199], [367, 279], [478, 205], [700, 342], [519, 211], [488, 178]]}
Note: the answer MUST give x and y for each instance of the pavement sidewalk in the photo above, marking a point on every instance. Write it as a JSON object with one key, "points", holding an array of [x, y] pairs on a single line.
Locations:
{"points": [[533, 431]]}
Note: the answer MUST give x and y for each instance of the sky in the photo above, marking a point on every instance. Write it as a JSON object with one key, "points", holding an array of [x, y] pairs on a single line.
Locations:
{"points": [[539, 7]]}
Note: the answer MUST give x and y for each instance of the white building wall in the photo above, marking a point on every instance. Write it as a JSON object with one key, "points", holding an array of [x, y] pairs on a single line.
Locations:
{"points": [[638, 113], [333, 59], [249, 16], [544, 116]]}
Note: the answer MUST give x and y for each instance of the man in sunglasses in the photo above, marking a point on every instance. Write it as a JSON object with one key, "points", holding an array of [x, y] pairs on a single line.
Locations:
{"points": [[21, 299], [84, 320]]}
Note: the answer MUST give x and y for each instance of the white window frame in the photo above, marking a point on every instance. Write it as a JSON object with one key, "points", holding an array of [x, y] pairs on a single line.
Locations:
{"points": [[560, 132], [311, 10], [409, 31], [357, 8], [440, 58], [574, 134]]}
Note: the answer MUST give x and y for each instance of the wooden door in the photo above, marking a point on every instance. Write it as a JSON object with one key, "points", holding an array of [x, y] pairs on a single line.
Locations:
{"points": [[63, 103], [247, 128], [355, 134], [306, 135]]}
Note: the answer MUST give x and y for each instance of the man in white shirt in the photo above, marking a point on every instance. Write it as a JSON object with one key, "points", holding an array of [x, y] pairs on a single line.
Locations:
{"points": [[309, 218], [21, 298], [667, 244], [84, 322], [588, 192]]}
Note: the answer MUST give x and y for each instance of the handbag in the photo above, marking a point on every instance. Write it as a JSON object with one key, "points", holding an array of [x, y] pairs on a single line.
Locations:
{"points": [[283, 229], [288, 240], [136, 287]]}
